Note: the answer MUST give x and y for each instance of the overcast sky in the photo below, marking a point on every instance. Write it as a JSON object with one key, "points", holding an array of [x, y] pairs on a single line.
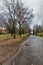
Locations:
{"points": [[37, 6]]}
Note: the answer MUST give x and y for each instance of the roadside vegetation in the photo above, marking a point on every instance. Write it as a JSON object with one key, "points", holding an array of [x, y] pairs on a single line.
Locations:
{"points": [[40, 34], [9, 45], [11, 40], [38, 30]]}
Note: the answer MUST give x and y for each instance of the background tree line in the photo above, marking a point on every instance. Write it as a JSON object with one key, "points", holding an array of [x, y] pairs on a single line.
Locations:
{"points": [[38, 29]]}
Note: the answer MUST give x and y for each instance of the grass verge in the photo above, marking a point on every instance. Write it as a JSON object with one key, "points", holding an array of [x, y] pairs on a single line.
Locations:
{"points": [[9, 46], [40, 34]]}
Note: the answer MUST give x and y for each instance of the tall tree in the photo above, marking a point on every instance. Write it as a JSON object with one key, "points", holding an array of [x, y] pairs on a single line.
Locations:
{"points": [[24, 15], [10, 6], [18, 12]]}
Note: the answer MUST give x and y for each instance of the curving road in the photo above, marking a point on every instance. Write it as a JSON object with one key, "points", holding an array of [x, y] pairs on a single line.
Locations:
{"points": [[29, 53]]}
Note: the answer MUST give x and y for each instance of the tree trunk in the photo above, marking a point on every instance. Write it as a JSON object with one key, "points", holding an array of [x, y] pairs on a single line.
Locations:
{"points": [[14, 36], [20, 30], [14, 29], [33, 32]]}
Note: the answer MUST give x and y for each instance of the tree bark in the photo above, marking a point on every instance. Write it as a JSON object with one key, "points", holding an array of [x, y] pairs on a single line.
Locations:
{"points": [[14, 29], [20, 30]]}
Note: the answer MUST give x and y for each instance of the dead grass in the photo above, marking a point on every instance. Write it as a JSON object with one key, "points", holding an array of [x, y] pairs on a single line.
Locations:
{"points": [[18, 39], [9, 46]]}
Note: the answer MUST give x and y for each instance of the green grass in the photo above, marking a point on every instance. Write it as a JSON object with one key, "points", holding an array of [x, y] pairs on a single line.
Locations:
{"points": [[11, 40], [40, 34], [5, 36]]}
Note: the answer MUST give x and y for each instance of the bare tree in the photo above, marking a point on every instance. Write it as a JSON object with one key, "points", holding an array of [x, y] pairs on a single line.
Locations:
{"points": [[17, 12], [24, 15], [10, 7], [37, 29]]}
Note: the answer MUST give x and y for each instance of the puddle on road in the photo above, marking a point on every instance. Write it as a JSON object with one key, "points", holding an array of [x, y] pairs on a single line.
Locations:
{"points": [[27, 44]]}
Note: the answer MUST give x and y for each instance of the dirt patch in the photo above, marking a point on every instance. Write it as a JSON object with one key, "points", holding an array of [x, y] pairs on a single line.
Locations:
{"points": [[4, 40], [7, 50]]}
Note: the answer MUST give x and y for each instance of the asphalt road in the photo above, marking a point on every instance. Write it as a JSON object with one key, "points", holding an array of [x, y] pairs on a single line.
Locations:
{"points": [[29, 53]]}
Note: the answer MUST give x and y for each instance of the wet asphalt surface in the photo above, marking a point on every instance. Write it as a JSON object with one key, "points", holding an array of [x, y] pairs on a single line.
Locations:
{"points": [[29, 53]]}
